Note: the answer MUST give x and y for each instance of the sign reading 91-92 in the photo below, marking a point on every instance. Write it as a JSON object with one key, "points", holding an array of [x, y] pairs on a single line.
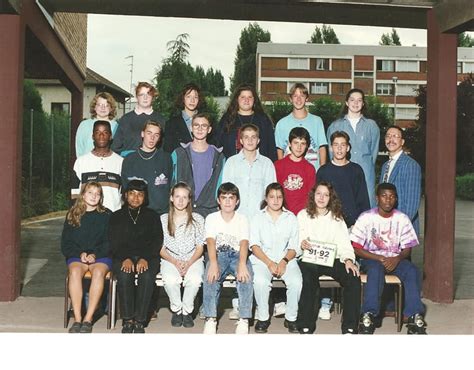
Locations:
{"points": [[321, 253]]}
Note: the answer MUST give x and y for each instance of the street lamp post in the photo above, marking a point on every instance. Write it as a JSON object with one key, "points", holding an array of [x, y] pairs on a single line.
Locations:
{"points": [[394, 80], [131, 81]]}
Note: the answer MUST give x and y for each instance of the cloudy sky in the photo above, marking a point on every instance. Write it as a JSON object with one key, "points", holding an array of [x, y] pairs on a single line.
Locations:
{"points": [[212, 43]]}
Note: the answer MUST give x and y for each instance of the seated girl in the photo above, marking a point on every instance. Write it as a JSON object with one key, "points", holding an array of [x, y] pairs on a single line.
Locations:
{"points": [[274, 243], [327, 250], [85, 245], [136, 237], [182, 261]]}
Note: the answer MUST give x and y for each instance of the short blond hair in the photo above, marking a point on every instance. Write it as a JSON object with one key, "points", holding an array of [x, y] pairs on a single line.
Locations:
{"points": [[300, 86]]}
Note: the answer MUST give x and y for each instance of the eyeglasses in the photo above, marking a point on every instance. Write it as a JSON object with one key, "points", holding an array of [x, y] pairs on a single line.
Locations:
{"points": [[392, 136], [103, 105]]}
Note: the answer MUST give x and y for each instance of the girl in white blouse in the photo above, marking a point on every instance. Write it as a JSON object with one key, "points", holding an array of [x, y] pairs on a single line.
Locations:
{"points": [[323, 233], [181, 255]]}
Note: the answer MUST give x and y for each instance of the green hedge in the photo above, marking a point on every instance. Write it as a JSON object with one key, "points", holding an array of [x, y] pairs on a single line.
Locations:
{"points": [[465, 186]]}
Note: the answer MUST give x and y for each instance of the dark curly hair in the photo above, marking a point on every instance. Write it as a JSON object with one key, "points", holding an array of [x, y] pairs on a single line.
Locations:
{"points": [[233, 108], [334, 204]]}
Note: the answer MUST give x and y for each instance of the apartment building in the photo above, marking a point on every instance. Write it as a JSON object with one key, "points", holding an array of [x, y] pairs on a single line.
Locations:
{"points": [[393, 73]]}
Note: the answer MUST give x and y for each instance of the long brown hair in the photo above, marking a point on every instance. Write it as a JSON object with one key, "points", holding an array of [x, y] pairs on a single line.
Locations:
{"points": [[189, 208], [79, 208], [233, 108], [273, 186], [334, 204]]}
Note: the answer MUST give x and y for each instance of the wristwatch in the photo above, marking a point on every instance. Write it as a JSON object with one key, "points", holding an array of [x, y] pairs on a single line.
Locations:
{"points": [[286, 259]]}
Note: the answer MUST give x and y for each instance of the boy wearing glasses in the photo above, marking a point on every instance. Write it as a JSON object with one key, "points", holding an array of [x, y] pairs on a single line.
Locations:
{"points": [[128, 137], [382, 238], [199, 165], [405, 173]]}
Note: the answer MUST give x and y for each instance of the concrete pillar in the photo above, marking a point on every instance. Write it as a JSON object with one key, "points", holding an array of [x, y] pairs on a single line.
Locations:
{"points": [[438, 283], [12, 45]]}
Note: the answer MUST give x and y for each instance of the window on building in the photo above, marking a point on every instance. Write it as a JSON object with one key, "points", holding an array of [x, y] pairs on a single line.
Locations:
{"points": [[298, 63], [407, 113], [468, 67], [406, 89], [384, 89], [60, 108], [340, 88], [407, 66], [319, 88], [322, 64], [386, 65], [459, 67], [363, 74]]}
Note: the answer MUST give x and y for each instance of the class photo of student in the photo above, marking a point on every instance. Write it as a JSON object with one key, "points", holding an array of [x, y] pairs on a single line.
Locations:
{"points": [[182, 254], [136, 237], [275, 246], [322, 229], [85, 245], [245, 108]]}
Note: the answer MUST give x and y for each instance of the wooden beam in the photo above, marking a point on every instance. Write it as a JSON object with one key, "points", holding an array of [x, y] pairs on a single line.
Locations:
{"points": [[455, 15]]}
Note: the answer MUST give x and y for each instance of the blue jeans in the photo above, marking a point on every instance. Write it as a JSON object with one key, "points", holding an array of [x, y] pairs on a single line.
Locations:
{"points": [[406, 271], [227, 262]]}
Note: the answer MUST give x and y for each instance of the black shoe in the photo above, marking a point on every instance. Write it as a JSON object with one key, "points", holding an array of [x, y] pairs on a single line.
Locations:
{"points": [[367, 325], [291, 326], [188, 321], [86, 327], [262, 326], [75, 328], [127, 327], [416, 324], [139, 328], [177, 320]]}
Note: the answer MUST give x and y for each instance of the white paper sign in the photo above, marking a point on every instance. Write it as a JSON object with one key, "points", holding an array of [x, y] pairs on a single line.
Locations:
{"points": [[321, 253]]}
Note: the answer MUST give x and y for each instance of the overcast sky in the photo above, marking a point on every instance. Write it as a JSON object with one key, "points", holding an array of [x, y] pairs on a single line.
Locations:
{"points": [[212, 43]]}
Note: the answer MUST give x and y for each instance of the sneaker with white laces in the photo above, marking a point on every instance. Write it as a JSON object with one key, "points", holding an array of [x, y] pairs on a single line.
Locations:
{"points": [[279, 309], [242, 326], [324, 313], [416, 324], [210, 326]]}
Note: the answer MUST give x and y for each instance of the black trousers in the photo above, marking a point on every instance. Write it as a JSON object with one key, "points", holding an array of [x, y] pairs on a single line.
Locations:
{"points": [[309, 303], [135, 299]]}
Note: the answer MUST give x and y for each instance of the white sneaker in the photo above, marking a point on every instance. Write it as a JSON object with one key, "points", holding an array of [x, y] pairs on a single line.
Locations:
{"points": [[324, 313], [242, 326], [210, 326], [280, 309]]}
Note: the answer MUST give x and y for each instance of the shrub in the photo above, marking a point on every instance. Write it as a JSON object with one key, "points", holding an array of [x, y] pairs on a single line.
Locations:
{"points": [[465, 186]]}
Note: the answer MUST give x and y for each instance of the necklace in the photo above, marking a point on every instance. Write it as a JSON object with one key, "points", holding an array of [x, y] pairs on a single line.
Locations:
{"points": [[103, 155], [145, 158], [136, 218]]}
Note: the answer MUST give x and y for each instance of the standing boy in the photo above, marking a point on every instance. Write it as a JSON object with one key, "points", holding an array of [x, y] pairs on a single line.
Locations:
{"points": [[227, 237], [348, 180], [294, 172], [250, 171], [101, 165], [199, 165], [300, 117], [153, 165], [382, 238]]}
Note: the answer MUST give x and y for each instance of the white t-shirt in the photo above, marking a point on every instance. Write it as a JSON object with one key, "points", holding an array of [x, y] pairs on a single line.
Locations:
{"points": [[227, 234]]}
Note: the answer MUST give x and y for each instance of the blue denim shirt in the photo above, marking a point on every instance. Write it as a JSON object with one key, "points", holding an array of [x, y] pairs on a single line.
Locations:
{"points": [[251, 179], [274, 238]]}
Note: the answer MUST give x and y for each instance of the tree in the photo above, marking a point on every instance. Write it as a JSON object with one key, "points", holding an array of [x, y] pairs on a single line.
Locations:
{"points": [[326, 108], [244, 62], [324, 35], [465, 127], [390, 38], [175, 72], [178, 48], [465, 40]]}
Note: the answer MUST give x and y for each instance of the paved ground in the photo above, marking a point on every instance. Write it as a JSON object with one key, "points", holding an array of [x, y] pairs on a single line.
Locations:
{"points": [[40, 307]]}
